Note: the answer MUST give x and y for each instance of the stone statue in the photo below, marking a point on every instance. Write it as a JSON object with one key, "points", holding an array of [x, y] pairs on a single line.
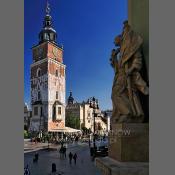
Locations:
{"points": [[126, 60]]}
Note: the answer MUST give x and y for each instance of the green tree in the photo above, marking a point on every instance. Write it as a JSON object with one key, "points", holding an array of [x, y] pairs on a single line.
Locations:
{"points": [[25, 134], [72, 121]]}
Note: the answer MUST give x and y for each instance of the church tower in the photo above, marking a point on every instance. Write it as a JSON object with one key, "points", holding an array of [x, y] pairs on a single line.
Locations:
{"points": [[70, 99], [48, 80]]}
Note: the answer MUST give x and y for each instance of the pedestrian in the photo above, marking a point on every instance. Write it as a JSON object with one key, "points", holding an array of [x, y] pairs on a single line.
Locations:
{"points": [[61, 152], [62, 143], [70, 158], [89, 143], [36, 155], [26, 170], [35, 159], [75, 158], [64, 151]]}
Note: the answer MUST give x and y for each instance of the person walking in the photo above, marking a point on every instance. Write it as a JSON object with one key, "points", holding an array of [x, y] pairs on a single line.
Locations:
{"points": [[26, 170], [64, 151], [61, 152], [89, 143], [36, 155], [75, 158], [70, 158]]}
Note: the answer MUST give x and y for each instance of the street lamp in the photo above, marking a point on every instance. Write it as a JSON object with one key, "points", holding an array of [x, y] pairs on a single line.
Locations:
{"points": [[94, 105]]}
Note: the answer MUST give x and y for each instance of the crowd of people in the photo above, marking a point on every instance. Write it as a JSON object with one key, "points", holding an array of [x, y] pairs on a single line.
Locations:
{"points": [[67, 138], [62, 152]]}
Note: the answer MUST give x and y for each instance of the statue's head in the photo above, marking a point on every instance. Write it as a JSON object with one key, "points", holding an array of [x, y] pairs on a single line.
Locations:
{"points": [[125, 23], [117, 40]]}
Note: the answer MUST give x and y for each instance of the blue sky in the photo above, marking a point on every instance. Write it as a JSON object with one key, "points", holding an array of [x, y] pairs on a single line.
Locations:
{"points": [[87, 29]]}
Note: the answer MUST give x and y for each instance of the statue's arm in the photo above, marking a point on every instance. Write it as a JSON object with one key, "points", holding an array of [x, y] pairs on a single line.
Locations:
{"points": [[113, 59]]}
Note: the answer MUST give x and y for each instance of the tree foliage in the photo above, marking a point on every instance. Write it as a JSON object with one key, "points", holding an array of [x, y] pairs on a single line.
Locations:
{"points": [[73, 121]]}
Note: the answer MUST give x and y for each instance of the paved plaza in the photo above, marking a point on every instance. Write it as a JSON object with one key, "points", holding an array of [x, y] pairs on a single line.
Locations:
{"points": [[84, 166]]}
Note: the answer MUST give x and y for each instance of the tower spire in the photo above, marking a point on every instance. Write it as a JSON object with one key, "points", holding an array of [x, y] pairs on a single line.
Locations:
{"points": [[47, 33], [47, 8], [70, 98]]}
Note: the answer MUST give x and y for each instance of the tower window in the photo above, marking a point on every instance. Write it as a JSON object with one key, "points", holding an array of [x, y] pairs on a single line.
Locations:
{"points": [[46, 36], [56, 73], [56, 94], [41, 111], [47, 23], [51, 36], [38, 72], [39, 95], [54, 114], [59, 110], [35, 110]]}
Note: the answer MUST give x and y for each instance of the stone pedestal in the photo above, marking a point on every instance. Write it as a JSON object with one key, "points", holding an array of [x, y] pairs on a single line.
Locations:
{"points": [[128, 150], [129, 142], [110, 166]]}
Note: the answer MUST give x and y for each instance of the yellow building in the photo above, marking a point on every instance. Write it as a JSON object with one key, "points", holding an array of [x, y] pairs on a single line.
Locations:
{"points": [[85, 116]]}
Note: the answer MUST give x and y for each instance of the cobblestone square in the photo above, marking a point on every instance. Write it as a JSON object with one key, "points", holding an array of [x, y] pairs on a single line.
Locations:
{"points": [[84, 166]]}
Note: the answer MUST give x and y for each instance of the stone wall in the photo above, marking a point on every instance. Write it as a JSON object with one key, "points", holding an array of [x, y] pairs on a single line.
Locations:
{"points": [[138, 17]]}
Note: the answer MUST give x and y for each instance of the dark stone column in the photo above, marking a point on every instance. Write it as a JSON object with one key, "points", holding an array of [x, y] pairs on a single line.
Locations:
{"points": [[138, 18]]}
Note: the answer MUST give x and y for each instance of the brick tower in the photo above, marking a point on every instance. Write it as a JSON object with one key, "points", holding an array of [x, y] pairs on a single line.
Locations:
{"points": [[47, 80]]}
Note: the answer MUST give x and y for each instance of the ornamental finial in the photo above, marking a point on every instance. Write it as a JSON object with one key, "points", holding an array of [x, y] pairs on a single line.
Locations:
{"points": [[47, 8]]}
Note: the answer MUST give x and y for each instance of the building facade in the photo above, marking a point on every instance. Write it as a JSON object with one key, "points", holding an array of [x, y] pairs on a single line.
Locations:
{"points": [[27, 117], [108, 115], [85, 115], [47, 80]]}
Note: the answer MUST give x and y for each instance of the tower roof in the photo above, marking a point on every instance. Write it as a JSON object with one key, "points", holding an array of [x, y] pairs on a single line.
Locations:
{"points": [[70, 98], [47, 33]]}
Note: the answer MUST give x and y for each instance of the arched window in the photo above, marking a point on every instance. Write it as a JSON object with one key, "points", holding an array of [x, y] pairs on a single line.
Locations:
{"points": [[51, 36], [48, 23], [38, 74], [35, 110], [56, 73], [41, 112], [59, 110], [39, 95], [56, 94], [54, 113], [46, 36]]}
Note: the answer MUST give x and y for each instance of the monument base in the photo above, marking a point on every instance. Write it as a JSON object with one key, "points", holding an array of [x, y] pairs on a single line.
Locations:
{"points": [[110, 166], [129, 142]]}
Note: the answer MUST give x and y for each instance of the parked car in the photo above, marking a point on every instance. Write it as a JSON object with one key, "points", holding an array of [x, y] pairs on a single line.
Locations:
{"points": [[101, 147]]}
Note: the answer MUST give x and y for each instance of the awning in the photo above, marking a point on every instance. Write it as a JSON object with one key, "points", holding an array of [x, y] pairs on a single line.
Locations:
{"points": [[65, 129]]}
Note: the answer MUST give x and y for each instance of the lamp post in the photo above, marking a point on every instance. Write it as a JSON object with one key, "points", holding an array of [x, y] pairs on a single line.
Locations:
{"points": [[94, 105]]}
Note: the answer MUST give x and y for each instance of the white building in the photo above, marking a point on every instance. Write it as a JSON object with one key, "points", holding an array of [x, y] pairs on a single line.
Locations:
{"points": [[27, 117], [85, 115]]}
